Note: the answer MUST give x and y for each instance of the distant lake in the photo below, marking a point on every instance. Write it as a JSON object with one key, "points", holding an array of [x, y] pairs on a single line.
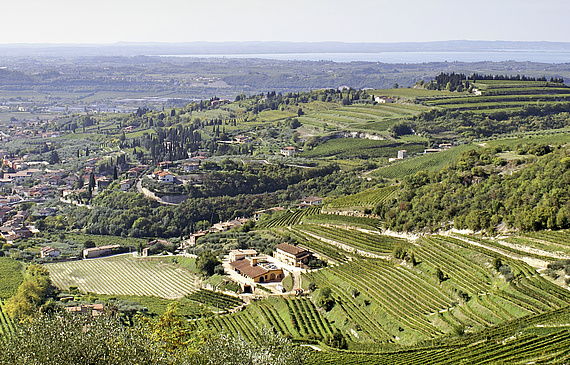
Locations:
{"points": [[406, 57]]}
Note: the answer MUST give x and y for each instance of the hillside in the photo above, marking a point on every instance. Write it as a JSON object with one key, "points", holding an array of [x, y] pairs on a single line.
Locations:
{"points": [[438, 217]]}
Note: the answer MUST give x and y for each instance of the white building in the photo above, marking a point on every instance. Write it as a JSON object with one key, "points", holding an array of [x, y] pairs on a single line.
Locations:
{"points": [[288, 151]]}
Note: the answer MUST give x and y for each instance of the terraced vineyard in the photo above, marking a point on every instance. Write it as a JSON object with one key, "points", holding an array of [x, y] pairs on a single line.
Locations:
{"points": [[297, 318], [124, 275], [332, 253], [290, 218], [498, 95], [352, 240], [349, 148], [367, 198], [429, 162], [343, 220], [520, 349], [214, 300], [6, 324], [362, 116], [396, 303]]}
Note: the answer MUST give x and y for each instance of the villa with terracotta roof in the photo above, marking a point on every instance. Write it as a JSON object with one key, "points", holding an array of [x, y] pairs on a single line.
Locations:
{"points": [[256, 269], [292, 255]]}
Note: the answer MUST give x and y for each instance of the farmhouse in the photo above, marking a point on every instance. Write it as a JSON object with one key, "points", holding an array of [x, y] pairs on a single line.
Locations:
{"points": [[311, 200], [90, 309], [260, 272], [292, 255], [49, 252], [89, 253], [383, 99], [257, 215], [241, 254], [288, 151]]}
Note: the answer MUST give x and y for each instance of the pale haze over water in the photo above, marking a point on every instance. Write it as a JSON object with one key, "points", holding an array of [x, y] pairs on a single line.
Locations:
{"points": [[406, 57]]}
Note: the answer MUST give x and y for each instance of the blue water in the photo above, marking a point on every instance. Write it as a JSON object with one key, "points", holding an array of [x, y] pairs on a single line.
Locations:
{"points": [[407, 57]]}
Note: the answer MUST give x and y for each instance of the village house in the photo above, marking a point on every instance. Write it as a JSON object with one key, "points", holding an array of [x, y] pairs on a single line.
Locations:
{"points": [[402, 154], [288, 151], [9, 199], [18, 177], [195, 236], [126, 184], [102, 182], [70, 180], [193, 179], [310, 200], [48, 251], [224, 226], [133, 172], [100, 251], [241, 139], [431, 150], [10, 233], [191, 166], [45, 212], [166, 177], [257, 269], [292, 255], [3, 211]]}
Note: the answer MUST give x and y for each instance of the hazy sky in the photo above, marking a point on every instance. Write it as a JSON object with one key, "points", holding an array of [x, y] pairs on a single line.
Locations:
{"points": [[110, 21]]}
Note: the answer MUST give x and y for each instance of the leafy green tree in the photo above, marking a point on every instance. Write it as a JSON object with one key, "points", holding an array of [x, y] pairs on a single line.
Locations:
{"points": [[31, 294], [336, 340], [206, 263], [89, 244], [439, 275], [325, 299], [54, 158]]}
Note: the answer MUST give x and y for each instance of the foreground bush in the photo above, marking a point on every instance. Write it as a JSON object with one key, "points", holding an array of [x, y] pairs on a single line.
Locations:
{"points": [[80, 340]]}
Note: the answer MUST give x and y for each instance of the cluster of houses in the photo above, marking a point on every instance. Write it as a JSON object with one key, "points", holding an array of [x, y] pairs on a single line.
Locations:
{"points": [[15, 227], [253, 268]]}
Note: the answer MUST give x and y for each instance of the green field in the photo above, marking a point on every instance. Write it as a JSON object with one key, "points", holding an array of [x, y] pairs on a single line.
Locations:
{"points": [[124, 275]]}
